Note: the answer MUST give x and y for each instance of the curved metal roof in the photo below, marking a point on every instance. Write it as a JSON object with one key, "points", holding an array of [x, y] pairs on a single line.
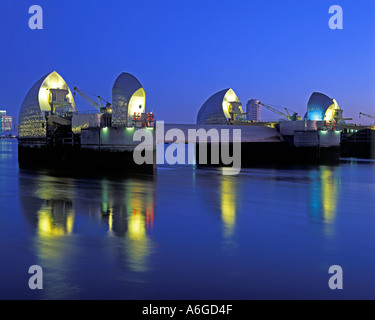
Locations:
{"points": [[31, 118], [216, 109], [128, 96], [125, 84], [318, 105]]}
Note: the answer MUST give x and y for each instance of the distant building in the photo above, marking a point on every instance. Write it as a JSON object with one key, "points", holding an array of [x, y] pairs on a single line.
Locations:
{"points": [[253, 110], [6, 122]]}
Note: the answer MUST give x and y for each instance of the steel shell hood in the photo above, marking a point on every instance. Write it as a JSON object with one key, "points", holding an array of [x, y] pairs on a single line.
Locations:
{"points": [[216, 110], [128, 97], [32, 121], [320, 107]]}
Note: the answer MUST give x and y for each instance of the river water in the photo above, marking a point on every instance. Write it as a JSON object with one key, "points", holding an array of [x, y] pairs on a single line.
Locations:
{"points": [[188, 233]]}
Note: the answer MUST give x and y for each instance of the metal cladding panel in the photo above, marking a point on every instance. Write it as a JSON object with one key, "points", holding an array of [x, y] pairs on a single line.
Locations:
{"points": [[31, 119], [211, 111], [317, 106], [123, 89]]}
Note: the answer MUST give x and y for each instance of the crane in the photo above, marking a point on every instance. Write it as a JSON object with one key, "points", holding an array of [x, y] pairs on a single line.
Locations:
{"points": [[287, 115], [98, 105], [367, 115]]}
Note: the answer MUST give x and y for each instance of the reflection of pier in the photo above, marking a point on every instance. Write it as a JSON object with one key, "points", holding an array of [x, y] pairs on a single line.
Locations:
{"points": [[48, 204], [224, 192], [55, 218], [228, 205], [324, 196], [52, 206], [129, 215]]}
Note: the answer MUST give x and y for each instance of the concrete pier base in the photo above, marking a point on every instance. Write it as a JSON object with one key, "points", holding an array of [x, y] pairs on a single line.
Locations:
{"points": [[275, 155], [96, 151], [359, 145], [74, 160]]}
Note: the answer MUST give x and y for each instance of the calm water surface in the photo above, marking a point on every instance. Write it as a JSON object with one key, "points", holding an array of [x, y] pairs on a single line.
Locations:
{"points": [[188, 233]]}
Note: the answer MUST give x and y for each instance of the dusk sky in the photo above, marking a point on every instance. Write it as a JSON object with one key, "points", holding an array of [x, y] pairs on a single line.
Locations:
{"points": [[184, 51]]}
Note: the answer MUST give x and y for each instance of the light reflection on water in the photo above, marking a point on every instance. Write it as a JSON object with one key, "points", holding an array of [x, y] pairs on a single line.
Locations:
{"points": [[228, 205], [190, 233], [324, 196], [125, 209]]}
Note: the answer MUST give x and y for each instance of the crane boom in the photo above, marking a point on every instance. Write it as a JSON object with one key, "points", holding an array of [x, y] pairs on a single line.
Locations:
{"points": [[367, 115], [87, 98], [274, 110], [98, 105], [287, 115]]}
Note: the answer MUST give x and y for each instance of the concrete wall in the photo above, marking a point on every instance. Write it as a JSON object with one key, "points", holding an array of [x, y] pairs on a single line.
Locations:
{"points": [[330, 138], [249, 133], [84, 121], [287, 128], [306, 138], [324, 139], [115, 139]]}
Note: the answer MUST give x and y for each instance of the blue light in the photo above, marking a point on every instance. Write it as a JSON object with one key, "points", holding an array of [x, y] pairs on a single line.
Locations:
{"points": [[315, 116]]}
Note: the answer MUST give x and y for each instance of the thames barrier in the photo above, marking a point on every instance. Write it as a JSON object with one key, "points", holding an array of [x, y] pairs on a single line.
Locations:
{"points": [[54, 133]]}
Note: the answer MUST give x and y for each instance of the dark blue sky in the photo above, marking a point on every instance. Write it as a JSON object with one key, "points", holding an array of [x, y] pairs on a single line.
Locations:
{"points": [[184, 51]]}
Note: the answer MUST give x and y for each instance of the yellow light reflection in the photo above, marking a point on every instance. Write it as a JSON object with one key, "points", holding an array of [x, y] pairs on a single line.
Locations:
{"points": [[128, 210], [54, 224], [110, 221], [228, 205], [137, 227], [140, 217], [54, 219], [328, 194], [138, 244]]}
